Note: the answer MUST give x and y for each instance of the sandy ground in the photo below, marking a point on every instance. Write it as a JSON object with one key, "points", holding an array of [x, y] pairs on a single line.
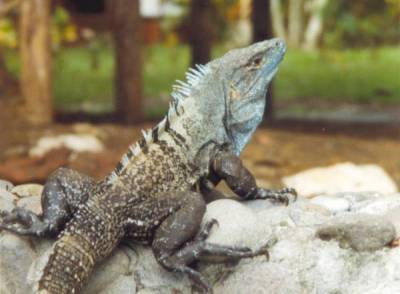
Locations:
{"points": [[276, 150]]}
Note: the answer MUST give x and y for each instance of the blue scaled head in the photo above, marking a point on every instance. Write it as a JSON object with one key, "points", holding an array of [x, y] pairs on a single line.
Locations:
{"points": [[247, 73]]}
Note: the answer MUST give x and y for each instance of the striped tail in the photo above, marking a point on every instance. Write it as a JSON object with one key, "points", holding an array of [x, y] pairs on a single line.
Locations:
{"points": [[64, 268]]}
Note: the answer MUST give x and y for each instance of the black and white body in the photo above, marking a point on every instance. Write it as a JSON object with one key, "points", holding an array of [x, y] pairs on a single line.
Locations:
{"points": [[155, 195]]}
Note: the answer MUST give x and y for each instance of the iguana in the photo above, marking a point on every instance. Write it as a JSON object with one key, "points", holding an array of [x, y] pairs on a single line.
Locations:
{"points": [[155, 194]]}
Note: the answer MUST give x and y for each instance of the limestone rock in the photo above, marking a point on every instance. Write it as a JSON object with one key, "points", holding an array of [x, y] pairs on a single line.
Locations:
{"points": [[74, 142], [15, 260], [234, 221], [334, 204], [6, 185], [393, 215], [149, 274], [360, 232], [121, 285], [7, 200], [113, 271], [355, 260], [31, 203], [28, 190], [341, 177]]}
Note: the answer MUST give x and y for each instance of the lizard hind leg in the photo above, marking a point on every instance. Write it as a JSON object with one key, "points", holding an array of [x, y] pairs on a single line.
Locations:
{"points": [[64, 190], [178, 242]]}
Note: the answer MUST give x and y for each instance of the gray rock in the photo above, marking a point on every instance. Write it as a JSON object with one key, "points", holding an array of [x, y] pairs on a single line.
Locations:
{"points": [[16, 258], [112, 271], [164, 290], [149, 274], [7, 196], [304, 213], [360, 232], [74, 142], [334, 204], [6, 185], [393, 216], [28, 190], [378, 206], [6, 205], [7, 200], [121, 285], [300, 262], [234, 221], [341, 177], [357, 197], [31, 203], [258, 277]]}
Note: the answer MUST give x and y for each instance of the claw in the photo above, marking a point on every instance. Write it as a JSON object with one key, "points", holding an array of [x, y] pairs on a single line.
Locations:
{"points": [[205, 232], [281, 195], [22, 222], [290, 191], [262, 251], [198, 280], [37, 229]]}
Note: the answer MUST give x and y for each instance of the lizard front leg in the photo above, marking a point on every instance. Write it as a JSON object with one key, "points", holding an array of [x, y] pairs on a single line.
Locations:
{"points": [[64, 190], [229, 167], [178, 242]]}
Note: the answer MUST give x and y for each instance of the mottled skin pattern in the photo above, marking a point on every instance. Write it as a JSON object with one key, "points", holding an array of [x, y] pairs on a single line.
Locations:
{"points": [[155, 195]]}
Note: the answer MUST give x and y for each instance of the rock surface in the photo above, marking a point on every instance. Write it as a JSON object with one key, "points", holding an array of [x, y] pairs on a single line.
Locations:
{"points": [[334, 246], [6, 185], [361, 232], [74, 142], [27, 190], [342, 177]]}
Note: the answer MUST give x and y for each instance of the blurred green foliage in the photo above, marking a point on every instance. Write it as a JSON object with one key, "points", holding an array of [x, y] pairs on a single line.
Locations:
{"points": [[83, 74], [63, 31], [359, 23], [8, 35], [354, 75]]}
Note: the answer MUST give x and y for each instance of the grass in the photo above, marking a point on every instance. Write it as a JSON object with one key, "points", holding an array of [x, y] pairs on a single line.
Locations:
{"points": [[358, 75]]}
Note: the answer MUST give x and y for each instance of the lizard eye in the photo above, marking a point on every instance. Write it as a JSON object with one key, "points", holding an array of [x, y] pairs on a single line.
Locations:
{"points": [[255, 63]]}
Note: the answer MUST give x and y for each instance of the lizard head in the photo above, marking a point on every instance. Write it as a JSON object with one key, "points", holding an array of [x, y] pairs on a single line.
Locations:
{"points": [[223, 101], [246, 74]]}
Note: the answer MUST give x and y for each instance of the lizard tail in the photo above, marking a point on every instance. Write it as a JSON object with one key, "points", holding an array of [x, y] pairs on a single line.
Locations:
{"points": [[64, 268]]}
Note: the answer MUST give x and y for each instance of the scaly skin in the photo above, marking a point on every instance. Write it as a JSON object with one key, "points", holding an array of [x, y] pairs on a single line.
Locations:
{"points": [[155, 195]]}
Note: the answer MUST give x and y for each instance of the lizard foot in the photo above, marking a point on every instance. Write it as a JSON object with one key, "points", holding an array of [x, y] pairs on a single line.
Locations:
{"points": [[283, 195], [206, 230], [201, 250], [23, 222]]}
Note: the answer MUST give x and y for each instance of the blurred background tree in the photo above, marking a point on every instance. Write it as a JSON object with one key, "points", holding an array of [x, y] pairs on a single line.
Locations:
{"points": [[126, 29], [354, 24], [122, 62], [36, 61]]}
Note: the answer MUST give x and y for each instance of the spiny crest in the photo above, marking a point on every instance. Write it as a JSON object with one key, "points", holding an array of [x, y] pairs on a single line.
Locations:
{"points": [[134, 150], [182, 88], [181, 91]]}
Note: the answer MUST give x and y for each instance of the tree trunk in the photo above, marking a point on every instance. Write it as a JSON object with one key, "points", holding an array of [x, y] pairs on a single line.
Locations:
{"points": [[278, 23], [127, 27], [295, 22], [200, 32], [262, 30], [240, 33], [36, 65], [315, 25]]}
